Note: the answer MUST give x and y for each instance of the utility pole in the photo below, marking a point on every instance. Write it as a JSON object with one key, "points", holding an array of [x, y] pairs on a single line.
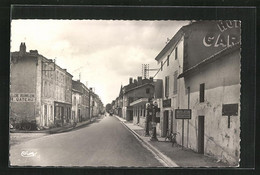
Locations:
{"points": [[149, 115]]}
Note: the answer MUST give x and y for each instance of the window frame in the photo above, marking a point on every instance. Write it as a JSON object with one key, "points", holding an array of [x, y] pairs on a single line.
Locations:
{"points": [[202, 93], [176, 53]]}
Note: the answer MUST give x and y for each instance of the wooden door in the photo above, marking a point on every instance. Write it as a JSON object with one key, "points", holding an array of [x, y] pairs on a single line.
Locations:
{"points": [[166, 122], [201, 135]]}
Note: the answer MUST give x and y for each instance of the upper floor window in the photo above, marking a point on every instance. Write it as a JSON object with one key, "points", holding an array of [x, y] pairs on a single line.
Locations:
{"points": [[161, 65], [167, 86], [175, 82], [168, 60], [176, 53], [202, 92], [144, 110], [147, 90]]}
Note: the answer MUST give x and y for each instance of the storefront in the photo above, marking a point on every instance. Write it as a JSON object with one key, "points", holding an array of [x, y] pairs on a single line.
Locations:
{"points": [[62, 113], [139, 111]]}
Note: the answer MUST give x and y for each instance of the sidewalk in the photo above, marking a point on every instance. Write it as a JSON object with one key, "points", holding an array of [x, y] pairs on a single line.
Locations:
{"points": [[65, 128], [17, 136], [172, 156]]}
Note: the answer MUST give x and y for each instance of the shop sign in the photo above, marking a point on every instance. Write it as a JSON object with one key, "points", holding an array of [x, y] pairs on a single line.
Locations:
{"points": [[22, 97], [167, 103], [183, 113], [224, 38]]}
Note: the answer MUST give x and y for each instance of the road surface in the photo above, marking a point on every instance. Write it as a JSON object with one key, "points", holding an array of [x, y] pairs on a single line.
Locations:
{"points": [[104, 143]]}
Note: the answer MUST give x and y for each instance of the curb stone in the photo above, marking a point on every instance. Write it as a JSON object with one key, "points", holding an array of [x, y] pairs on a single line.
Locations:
{"points": [[166, 161]]}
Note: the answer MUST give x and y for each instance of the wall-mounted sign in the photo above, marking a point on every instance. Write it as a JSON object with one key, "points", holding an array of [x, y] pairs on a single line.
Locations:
{"points": [[183, 113], [22, 97], [167, 103], [225, 36], [230, 109], [157, 119]]}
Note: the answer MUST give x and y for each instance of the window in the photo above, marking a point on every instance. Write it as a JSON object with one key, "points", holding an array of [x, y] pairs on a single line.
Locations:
{"points": [[74, 101], [45, 88], [202, 92], [147, 90], [167, 86], [168, 61], [175, 82], [144, 110], [161, 66], [188, 93], [176, 53], [51, 113]]}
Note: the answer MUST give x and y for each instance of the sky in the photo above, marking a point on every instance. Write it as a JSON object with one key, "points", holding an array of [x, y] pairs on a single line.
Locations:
{"points": [[103, 54]]}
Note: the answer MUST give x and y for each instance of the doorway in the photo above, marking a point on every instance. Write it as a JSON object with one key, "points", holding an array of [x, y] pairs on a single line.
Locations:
{"points": [[138, 115], [45, 116], [165, 122], [201, 134], [171, 127], [79, 118]]}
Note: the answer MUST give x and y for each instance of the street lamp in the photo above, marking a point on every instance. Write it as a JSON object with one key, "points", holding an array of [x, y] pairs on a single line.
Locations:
{"points": [[155, 109], [149, 114]]}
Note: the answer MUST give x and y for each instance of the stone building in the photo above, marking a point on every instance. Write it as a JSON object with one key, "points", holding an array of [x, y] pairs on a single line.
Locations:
{"points": [[80, 105], [40, 91], [208, 83], [63, 99], [96, 105]]}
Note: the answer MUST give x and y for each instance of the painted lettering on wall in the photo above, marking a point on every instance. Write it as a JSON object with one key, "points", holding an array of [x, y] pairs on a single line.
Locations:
{"points": [[224, 38], [22, 97]]}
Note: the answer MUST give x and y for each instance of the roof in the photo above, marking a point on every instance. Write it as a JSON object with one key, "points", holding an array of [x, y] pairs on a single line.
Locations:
{"points": [[137, 87], [175, 39], [172, 43], [211, 59]]}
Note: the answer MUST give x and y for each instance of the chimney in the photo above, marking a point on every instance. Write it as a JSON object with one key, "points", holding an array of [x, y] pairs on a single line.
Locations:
{"points": [[130, 80], [34, 52], [139, 80], [22, 49]]}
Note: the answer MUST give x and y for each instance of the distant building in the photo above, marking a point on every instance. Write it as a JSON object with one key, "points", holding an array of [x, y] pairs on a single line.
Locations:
{"points": [[40, 91], [120, 102], [96, 105], [80, 105], [140, 88]]}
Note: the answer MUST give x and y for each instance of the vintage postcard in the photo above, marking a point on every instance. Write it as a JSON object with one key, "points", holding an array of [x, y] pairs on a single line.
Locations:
{"points": [[125, 93]]}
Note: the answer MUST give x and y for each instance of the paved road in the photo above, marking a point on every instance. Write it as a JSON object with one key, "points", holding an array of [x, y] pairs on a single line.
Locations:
{"points": [[103, 143]]}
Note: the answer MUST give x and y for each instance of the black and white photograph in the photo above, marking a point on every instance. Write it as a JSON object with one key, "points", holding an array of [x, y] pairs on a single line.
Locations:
{"points": [[125, 93]]}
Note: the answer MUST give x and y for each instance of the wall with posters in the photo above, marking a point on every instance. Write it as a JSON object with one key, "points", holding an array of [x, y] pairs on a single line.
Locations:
{"points": [[22, 85]]}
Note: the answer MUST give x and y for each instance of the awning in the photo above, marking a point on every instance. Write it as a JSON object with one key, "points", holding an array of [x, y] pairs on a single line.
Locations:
{"points": [[140, 101]]}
